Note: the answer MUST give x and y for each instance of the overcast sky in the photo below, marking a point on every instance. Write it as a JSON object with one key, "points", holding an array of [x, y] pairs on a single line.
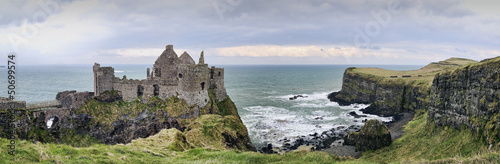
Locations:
{"points": [[249, 31]]}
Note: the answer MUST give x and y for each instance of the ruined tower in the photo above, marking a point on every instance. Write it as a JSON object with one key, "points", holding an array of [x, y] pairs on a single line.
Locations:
{"points": [[103, 78]]}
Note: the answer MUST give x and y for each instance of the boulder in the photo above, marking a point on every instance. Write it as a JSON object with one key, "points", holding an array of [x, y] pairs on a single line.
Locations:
{"points": [[355, 115], [109, 96], [73, 99], [296, 97], [373, 135]]}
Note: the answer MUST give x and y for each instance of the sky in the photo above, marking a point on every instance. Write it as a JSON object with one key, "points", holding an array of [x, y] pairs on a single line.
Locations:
{"points": [[249, 32]]}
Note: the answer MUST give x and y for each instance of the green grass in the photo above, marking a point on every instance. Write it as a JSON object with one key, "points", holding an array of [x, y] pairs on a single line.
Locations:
{"points": [[427, 73], [422, 142], [425, 142], [27, 152], [106, 113]]}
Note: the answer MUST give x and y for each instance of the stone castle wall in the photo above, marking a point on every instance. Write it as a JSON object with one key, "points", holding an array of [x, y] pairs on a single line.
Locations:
{"points": [[7, 104]]}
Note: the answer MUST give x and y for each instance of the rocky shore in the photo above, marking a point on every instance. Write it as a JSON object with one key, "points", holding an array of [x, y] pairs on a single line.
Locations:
{"points": [[334, 140]]}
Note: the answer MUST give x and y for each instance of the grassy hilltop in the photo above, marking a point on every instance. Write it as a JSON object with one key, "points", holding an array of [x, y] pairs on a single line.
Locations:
{"points": [[424, 74]]}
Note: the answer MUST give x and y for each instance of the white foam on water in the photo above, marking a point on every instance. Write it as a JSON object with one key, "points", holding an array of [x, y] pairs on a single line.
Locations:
{"points": [[50, 122], [307, 97], [314, 113], [117, 71], [317, 105], [271, 124]]}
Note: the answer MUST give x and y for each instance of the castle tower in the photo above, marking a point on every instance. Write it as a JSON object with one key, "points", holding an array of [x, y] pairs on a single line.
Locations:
{"points": [[103, 78], [202, 59]]}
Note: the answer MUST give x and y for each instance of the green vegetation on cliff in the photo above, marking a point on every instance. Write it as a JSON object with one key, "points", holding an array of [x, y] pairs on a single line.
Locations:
{"points": [[422, 75], [425, 142], [392, 92], [106, 113]]}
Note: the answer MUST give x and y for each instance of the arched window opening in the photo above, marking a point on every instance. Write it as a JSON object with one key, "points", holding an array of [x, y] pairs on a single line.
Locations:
{"points": [[140, 90], [156, 90]]}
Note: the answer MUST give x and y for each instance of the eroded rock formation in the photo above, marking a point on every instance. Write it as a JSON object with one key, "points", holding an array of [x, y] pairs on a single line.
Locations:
{"points": [[469, 97], [373, 135]]}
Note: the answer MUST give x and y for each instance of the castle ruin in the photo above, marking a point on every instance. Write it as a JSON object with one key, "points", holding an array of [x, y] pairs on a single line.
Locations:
{"points": [[170, 76]]}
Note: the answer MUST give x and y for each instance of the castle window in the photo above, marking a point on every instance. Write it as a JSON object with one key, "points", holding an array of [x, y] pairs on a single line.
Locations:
{"points": [[202, 85], [219, 73], [157, 72], [140, 90], [180, 75], [156, 89]]}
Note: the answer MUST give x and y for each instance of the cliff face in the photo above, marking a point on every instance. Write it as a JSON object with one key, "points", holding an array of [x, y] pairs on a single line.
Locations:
{"points": [[392, 92], [217, 125], [468, 97], [460, 93], [386, 96]]}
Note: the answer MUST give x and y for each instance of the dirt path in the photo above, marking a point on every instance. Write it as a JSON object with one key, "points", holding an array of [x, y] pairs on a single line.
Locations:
{"points": [[397, 127]]}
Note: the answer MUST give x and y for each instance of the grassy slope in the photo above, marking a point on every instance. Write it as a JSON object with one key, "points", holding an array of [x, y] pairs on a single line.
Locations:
{"points": [[427, 73], [146, 151], [419, 144], [425, 142]]}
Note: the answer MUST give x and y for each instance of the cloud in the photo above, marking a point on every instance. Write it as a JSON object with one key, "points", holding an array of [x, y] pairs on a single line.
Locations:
{"points": [[139, 52], [81, 30]]}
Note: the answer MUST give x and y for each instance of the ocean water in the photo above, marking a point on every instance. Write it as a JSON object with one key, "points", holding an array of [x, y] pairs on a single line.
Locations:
{"points": [[261, 93]]}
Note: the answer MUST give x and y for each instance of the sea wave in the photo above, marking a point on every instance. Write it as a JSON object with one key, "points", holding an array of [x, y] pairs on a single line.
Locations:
{"points": [[313, 113]]}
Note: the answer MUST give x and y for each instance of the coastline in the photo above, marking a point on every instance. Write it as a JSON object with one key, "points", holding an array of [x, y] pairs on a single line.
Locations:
{"points": [[332, 141]]}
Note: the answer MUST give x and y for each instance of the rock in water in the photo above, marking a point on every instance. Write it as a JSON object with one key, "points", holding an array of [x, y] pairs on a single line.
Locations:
{"points": [[373, 135]]}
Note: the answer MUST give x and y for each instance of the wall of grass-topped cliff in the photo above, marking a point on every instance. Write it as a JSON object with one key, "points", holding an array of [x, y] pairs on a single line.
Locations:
{"points": [[386, 96], [391, 92], [230, 132], [469, 98], [219, 127]]}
